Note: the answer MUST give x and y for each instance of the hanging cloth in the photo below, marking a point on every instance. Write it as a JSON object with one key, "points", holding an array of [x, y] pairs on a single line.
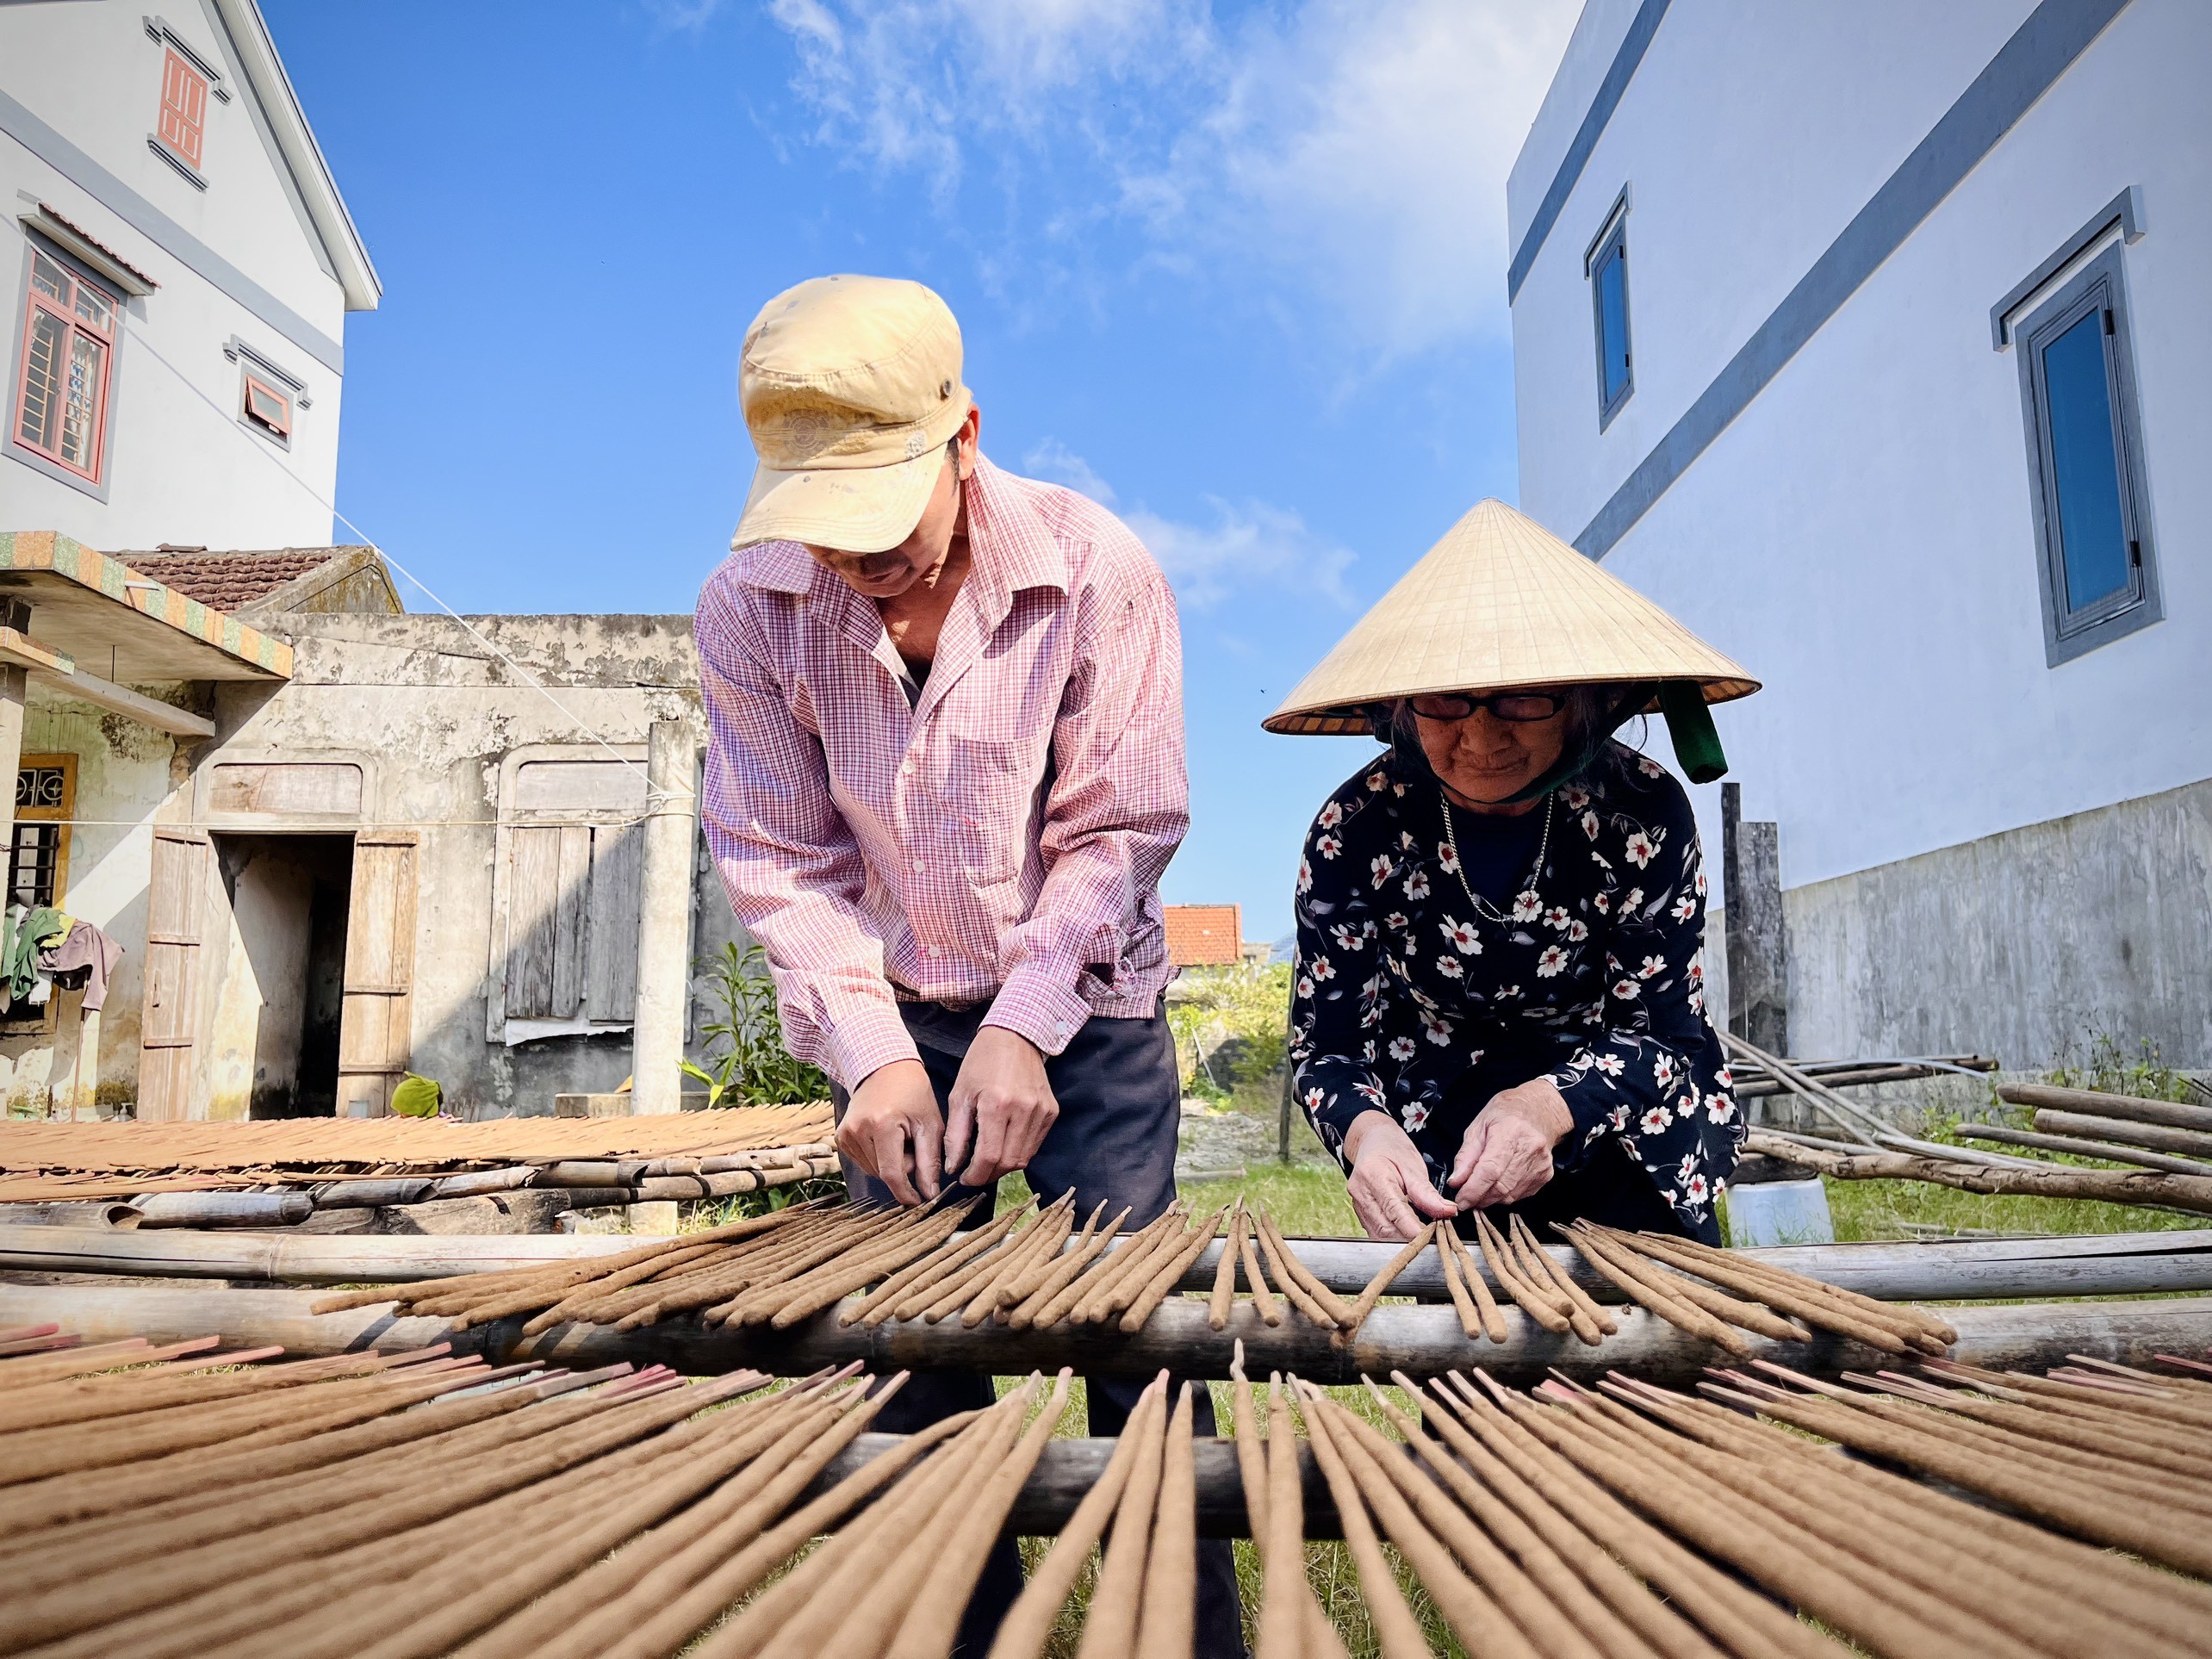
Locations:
{"points": [[20, 935], [84, 956]]}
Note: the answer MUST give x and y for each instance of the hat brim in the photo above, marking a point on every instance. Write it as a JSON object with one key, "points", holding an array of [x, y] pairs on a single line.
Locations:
{"points": [[1353, 719], [851, 509]]}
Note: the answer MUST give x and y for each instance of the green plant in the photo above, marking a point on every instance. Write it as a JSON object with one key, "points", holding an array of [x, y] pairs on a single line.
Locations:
{"points": [[1245, 1012], [2108, 1068], [747, 1063]]}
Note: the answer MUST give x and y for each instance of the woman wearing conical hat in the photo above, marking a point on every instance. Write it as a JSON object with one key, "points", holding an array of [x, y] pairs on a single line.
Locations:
{"points": [[1499, 993]]}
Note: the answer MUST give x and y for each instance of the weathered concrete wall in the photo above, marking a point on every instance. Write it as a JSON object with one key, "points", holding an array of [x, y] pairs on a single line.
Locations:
{"points": [[2019, 946], [430, 713], [126, 772]]}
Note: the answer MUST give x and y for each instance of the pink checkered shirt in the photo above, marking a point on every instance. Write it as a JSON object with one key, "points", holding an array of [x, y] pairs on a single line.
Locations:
{"points": [[881, 853]]}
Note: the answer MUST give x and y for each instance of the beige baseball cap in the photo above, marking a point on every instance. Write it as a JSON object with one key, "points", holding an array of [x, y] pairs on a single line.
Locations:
{"points": [[851, 388]]}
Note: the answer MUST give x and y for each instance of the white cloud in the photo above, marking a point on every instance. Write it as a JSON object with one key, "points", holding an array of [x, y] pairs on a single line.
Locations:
{"points": [[1053, 461], [1353, 154], [1249, 547], [903, 79], [671, 16], [1252, 547]]}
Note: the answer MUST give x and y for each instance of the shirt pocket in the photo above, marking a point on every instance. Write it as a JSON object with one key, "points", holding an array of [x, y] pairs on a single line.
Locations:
{"points": [[986, 798]]}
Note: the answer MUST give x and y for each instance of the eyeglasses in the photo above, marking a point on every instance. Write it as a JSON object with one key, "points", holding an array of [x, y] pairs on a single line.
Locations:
{"points": [[1520, 708]]}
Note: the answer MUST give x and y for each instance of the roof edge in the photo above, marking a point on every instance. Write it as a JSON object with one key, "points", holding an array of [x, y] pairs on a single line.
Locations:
{"points": [[263, 68], [47, 550]]}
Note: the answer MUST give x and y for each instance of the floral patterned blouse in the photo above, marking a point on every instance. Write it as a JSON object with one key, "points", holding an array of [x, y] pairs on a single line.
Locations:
{"points": [[1411, 998]]}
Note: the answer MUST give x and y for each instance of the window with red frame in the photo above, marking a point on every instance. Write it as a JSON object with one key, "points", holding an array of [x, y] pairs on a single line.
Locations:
{"points": [[183, 109], [69, 347], [268, 405]]}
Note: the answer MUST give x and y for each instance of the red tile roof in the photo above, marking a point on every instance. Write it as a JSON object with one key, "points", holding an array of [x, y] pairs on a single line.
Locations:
{"points": [[1203, 935], [226, 581]]}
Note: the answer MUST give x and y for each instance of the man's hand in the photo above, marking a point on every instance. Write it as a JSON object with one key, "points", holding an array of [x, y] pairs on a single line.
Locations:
{"points": [[1389, 1183], [892, 1126], [1001, 1096], [1507, 1153]]}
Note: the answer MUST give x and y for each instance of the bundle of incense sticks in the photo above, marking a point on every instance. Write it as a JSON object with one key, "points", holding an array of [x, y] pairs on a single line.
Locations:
{"points": [[1035, 1267], [201, 1501], [1633, 1520]]}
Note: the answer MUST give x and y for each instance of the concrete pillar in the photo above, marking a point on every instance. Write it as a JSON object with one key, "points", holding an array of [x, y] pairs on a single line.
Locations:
{"points": [[14, 681], [664, 923], [1758, 962]]}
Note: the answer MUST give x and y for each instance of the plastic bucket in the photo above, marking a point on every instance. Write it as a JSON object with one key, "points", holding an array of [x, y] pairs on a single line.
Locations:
{"points": [[1779, 1213]]}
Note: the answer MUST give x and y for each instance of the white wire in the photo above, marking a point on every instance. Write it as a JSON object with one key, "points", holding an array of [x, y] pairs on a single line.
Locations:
{"points": [[316, 495]]}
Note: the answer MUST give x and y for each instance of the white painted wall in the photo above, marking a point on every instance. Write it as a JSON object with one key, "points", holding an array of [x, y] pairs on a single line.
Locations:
{"points": [[178, 469], [1861, 536]]}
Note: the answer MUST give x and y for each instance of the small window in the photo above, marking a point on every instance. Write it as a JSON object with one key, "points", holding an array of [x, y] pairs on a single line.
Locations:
{"points": [[2085, 456], [69, 343], [183, 109], [45, 798], [268, 406], [1609, 310]]}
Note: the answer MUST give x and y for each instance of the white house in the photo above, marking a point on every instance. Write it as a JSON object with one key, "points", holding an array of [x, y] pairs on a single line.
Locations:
{"points": [[1862, 336], [181, 269]]}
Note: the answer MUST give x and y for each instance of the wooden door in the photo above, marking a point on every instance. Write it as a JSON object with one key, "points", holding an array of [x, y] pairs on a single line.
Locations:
{"points": [[170, 1020], [375, 1030]]}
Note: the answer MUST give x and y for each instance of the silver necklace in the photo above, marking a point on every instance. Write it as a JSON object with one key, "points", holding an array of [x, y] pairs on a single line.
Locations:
{"points": [[1459, 866]]}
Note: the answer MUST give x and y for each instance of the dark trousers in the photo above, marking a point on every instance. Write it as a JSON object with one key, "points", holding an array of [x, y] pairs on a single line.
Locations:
{"points": [[1120, 1100]]}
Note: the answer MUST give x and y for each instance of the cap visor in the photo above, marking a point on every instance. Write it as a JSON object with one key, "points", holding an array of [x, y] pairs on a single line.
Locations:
{"points": [[850, 509]]}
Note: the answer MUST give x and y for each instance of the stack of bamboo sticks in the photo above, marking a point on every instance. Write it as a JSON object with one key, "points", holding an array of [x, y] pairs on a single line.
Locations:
{"points": [[1033, 1268], [1633, 1521], [680, 1155]]}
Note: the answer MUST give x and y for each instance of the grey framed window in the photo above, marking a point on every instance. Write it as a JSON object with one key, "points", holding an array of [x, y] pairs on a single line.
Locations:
{"points": [[2092, 511], [1607, 266]]}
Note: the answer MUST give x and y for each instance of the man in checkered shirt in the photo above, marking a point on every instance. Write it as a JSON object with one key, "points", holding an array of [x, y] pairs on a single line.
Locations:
{"points": [[946, 772]]}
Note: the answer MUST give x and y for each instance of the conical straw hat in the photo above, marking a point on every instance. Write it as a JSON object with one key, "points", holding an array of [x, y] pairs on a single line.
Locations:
{"points": [[1500, 602]]}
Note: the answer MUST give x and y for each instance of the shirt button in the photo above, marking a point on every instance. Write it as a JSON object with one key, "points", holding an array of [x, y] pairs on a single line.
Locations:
{"points": [[1060, 1030], [918, 866], [933, 951]]}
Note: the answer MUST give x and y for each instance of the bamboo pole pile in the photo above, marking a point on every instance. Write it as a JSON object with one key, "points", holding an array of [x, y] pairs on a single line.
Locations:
{"points": [[1752, 1081], [2160, 1188], [2155, 1134], [1631, 1522], [341, 1161]]}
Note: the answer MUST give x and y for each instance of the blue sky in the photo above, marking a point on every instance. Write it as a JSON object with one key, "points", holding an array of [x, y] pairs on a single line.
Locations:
{"points": [[1237, 270]]}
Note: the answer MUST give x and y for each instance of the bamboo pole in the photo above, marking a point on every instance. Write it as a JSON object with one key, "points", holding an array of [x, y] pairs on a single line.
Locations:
{"points": [[2055, 1181]]}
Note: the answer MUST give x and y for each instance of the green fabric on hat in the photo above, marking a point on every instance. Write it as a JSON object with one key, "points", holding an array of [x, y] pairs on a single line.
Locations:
{"points": [[1689, 722], [417, 1097]]}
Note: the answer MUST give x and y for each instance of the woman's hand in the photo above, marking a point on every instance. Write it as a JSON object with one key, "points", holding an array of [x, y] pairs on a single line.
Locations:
{"points": [[1507, 1153], [1389, 1183]]}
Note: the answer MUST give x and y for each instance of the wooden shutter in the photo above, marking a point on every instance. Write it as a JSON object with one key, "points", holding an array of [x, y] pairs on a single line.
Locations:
{"points": [[375, 1030], [618, 899], [171, 1018], [548, 891]]}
